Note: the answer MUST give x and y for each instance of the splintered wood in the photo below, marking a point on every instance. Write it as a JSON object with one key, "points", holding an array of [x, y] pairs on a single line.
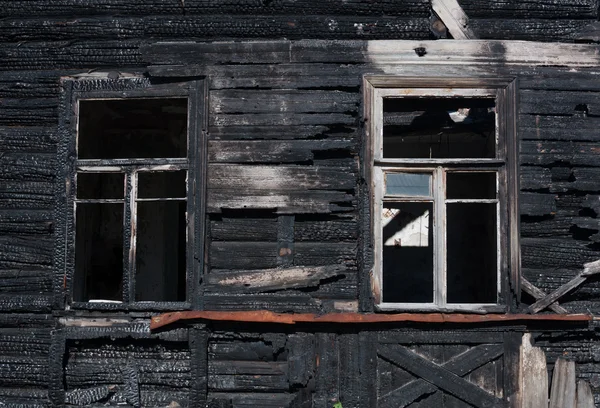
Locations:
{"points": [[533, 375]]}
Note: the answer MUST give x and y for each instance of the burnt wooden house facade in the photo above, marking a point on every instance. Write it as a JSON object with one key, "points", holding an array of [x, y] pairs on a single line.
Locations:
{"points": [[296, 203]]}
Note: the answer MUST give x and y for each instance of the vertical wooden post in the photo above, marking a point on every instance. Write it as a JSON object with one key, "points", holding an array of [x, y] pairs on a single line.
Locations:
{"points": [[533, 375]]}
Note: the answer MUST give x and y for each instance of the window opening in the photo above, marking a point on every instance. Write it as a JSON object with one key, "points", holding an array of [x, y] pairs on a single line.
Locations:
{"points": [[443, 166], [131, 200]]}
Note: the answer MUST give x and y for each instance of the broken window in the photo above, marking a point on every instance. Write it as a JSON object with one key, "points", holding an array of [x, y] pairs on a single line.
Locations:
{"points": [[135, 170], [443, 171]]}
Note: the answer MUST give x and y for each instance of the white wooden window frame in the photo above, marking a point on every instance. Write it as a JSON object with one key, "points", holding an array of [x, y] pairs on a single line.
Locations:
{"points": [[504, 164]]}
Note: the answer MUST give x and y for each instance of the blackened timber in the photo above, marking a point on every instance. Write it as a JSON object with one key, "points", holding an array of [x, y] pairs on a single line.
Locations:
{"points": [[529, 29], [301, 359], [327, 372], [285, 240], [548, 9], [556, 253], [438, 376], [539, 294], [537, 203], [559, 103], [265, 151], [548, 152], [214, 7], [271, 131], [271, 101], [461, 365], [272, 279], [283, 118]]}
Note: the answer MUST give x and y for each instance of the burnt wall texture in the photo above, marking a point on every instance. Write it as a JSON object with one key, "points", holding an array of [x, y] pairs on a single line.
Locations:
{"points": [[283, 172]]}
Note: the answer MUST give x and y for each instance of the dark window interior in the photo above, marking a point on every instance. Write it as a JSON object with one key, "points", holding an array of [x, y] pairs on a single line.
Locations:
{"points": [[461, 185], [407, 237], [132, 128], [156, 218], [471, 252], [439, 128]]}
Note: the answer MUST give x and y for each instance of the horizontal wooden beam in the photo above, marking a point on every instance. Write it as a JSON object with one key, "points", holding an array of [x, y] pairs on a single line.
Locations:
{"points": [[265, 316]]}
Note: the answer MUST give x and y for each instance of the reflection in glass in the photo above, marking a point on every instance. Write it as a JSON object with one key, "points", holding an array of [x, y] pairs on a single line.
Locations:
{"points": [[408, 184]]}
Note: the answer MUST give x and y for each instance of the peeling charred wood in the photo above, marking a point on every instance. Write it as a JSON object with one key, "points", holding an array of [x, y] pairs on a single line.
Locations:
{"points": [[25, 281], [537, 204], [250, 376], [301, 359], [243, 229], [555, 253], [528, 29], [89, 395], [285, 118], [34, 167], [349, 370], [279, 178], [558, 103], [29, 222], [203, 7], [69, 54], [430, 336], [311, 228], [271, 76], [277, 302], [250, 399], [327, 374], [27, 139], [567, 128], [575, 153], [288, 202], [274, 131], [532, 9], [260, 151], [273, 279], [539, 294]]}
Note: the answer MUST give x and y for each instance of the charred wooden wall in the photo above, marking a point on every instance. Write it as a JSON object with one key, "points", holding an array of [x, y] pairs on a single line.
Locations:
{"points": [[283, 174]]}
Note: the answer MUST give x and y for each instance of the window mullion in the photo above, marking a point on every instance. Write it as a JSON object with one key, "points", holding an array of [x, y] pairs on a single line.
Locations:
{"points": [[129, 239], [440, 287]]}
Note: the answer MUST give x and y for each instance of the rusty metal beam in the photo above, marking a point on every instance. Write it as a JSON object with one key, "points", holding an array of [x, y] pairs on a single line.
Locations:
{"points": [[265, 316]]}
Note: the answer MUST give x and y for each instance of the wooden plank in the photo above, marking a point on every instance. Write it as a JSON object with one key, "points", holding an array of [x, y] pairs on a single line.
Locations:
{"points": [[461, 365], [301, 358], [285, 241], [585, 398], [563, 391], [267, 316], [438, 376], [533, 376], [264, 151], [537, 203], [539, 294], [327, 379], [590, 269], [559, 30], [549, 9], [272, 279], [454, 18]]}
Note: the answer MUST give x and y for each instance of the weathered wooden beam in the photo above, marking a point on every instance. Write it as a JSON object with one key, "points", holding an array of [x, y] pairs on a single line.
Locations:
{"points": [[585, 398], [265, 316], [533, 375], [454, 18], [590, 269], [563, 390], [540, 294]]}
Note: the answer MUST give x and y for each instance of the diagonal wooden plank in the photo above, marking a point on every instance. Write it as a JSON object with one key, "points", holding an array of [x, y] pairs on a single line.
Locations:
{"points": [[439, 376], [460, 365], [538, 294], [454, 18], [589, 269]]}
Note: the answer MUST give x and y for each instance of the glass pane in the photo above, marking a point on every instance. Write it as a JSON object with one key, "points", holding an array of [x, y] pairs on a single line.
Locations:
{"points": [[132, 128], [98, 252], [408, 184], [439, 128], [407, 252], [161, 251], [100, 185], [470, 185], [164, 184], [471, 251]]}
